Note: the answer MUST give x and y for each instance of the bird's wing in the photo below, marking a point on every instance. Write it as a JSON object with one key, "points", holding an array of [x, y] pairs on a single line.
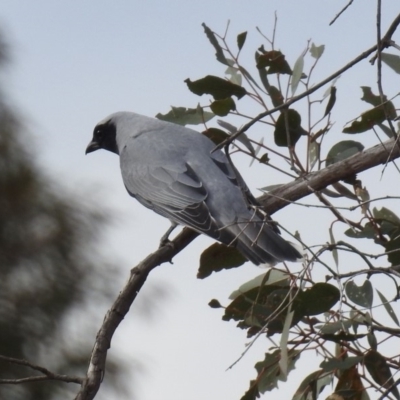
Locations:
{"points": [[175, 192]]}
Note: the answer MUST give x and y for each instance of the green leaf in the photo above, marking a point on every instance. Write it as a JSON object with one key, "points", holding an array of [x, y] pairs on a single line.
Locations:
{"points": [[369, 97], [241, 38], [368, 232], [294, 132], [392, 247], [219, 88], [372, 117], [318, 299], [222, 107], [276, 96], [335, 253], [342, 150], [369, 119], [388, 308], [214, 41], [268, 373], [186, 116], [386, 214], [317, 51], [214, 303], [297, 73], [218, 257], [235, 78], [391, 60], [313, 385], [379, 370], [331, 101], [313, 153], [387, 131], [361, 295], [335, 363], [333, 327], [216, 135], [274, 277], [274, 61], [284, 360]]}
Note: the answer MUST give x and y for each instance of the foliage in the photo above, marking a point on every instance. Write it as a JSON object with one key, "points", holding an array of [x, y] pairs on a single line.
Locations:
{"points": [[334, 319]]}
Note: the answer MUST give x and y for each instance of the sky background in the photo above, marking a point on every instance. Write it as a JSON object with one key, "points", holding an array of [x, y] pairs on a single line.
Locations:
{"points": [[75, 62]]}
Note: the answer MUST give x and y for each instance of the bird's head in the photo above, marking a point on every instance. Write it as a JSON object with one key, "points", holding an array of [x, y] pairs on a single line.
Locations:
{"points": [[104, 137]]}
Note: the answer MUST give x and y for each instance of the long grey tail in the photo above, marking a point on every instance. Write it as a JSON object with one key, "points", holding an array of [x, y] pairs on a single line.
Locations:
{"points": [[257, 241]]}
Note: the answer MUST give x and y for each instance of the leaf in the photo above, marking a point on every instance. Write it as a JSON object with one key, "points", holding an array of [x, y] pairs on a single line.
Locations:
{"points": [[369, 119], [313, 385], [235, 78], [335, 363], [276, 96], [213, 40], [214, 304], [313, 153], [219, 88], [392, 247], [387, 131], [318, 299], [241, 38], [218, 257], [284, 360], [274, 61], [272, 277], [333, 327], [268, 373], [295, 131], [186, 116], [388, 308], [331, 101], [216, 135], [222, 107], [317, 51], [342, 150], [388, 215], [350, 385], [335, 253], [374, 116], [391, 60], [380, 372], [361, 295], [297, 73], [368, 232]]}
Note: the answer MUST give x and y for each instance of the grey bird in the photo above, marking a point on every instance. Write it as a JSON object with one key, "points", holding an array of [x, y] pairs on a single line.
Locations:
{"points": [[174, 171]]}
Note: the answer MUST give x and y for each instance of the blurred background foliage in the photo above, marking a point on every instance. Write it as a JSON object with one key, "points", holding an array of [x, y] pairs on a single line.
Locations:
{"points": [[50, 268]]}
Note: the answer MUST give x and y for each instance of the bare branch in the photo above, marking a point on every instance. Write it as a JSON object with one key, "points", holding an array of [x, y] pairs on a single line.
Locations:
{"points": [[47, 375]]}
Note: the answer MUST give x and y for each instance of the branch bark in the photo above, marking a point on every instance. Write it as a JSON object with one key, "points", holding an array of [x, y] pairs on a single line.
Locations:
{"points": [[372, 157]]}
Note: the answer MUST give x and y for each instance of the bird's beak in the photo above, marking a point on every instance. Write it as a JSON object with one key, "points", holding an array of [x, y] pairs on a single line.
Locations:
{"points": [[92, 146]]}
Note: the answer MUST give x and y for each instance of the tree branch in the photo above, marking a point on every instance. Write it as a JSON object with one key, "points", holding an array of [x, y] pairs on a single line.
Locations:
{"points": [[316, 181], [47, 375]]}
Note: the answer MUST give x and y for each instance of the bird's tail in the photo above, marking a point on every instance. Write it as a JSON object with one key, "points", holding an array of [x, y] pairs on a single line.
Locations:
{"points": [[258, 242]]}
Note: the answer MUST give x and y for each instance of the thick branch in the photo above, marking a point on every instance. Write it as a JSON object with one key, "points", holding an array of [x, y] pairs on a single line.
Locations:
{"points": [[121, 307], [300, 188]]}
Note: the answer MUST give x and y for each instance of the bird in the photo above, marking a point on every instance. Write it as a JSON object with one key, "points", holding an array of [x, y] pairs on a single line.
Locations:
{"points": [[177, 172]]}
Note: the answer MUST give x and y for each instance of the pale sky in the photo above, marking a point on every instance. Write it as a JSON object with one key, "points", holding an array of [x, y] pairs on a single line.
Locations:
{"points": [[75, 62]]}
